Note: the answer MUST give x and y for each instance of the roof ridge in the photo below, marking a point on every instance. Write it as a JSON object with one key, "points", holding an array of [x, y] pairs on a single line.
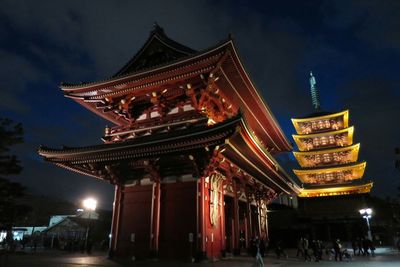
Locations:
{"points": [[125, 75], [159, 33]]}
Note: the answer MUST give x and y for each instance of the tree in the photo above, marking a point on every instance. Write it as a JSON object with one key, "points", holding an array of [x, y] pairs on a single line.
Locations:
{"points": [[10, 135]]}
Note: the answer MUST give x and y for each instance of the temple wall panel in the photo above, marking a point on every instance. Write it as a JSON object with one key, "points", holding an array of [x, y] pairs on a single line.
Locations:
{"points": [[134, 231], [177, 220]]}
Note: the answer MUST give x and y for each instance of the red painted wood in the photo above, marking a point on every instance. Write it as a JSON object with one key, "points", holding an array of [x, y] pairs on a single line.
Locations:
{"points": [[155, 231], [222, 211], [202, 216], [135, 219], [177, 220], [115, 218], [236, 216]]}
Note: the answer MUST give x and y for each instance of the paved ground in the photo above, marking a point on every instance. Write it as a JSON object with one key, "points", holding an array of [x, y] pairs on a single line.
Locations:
{"points": [[384, 258]]}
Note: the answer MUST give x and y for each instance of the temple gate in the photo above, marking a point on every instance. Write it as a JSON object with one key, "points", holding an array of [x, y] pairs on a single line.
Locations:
{"points": [[191, 152]]}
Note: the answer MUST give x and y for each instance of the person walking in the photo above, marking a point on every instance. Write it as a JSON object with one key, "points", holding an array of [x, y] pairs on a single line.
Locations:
{"points": [[337, 247], [258, 259], [354, 246], [365, 244], [279, 250], [300, 248], [359, 245], [317, 250], [305, 249]]}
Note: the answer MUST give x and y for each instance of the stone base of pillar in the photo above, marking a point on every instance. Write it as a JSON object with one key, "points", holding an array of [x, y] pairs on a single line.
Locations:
{"points": [[223, 253], [201, 256], [153, 254], [110, 254]]}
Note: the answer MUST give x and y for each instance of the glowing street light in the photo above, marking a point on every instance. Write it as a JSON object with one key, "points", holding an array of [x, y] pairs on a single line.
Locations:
{"points": [[90, 204], [367, 214]]}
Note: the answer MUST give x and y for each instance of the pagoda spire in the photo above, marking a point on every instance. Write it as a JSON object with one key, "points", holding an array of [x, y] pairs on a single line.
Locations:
{"points": [[314, 92]]}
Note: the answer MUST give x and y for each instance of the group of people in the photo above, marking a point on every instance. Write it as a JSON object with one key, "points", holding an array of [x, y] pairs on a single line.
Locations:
{"points": [[363, 246], [304, 247], [313, 250]]}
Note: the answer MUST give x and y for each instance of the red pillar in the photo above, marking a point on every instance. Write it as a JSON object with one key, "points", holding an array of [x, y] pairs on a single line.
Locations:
{"points": [[222, 212], [249, 223], [259, 218], [115, 219], [155, 219], [266, 225], [236, 235], [201, 219]]}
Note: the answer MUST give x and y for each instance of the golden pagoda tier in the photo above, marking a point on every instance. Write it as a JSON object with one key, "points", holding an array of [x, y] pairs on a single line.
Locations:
{"points": [[338, 138], [322, 123], [327, 155], [332, 175], [336, 191]]}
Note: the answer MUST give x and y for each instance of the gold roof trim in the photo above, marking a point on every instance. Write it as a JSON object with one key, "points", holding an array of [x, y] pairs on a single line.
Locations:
{"points": [[361, 165], [300, 156], [305, 136], [301, 146], [329, 150], [336, 191], [344, 113], [358, 172]]}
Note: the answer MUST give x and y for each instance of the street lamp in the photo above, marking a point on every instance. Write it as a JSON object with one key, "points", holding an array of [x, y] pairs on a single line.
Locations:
{"points": [[367, 214], [89, 204]]}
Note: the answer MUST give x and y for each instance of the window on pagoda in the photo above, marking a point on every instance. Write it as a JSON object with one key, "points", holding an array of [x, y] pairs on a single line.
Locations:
{"points": [[326, 158], [309, 145], [334, 124], [314, 125], [339, 140], [336, 157], [331, 140], [317, 159], [316, 141], [324, 140], [306, 128], [320, 125], [327, 124], [329, 176], [340, 176]]}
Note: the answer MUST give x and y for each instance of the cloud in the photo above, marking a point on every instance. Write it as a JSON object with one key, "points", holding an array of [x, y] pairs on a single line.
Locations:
{"points": [[375, 22], [374, 110]]}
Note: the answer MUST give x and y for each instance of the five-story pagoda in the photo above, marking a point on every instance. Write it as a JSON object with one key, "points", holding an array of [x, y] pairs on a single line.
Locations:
{"points": [[327, 154]]}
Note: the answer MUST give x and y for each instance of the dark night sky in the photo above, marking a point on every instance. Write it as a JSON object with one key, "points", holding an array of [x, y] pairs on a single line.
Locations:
{"points": [[352, 47]]}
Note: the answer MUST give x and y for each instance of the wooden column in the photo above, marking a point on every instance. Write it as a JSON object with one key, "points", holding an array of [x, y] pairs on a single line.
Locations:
{"points": [[259, 218], [236, 235], [266, 225], [249, 221], [155, 219], [115, 219], [222, 213], [201, 245]]}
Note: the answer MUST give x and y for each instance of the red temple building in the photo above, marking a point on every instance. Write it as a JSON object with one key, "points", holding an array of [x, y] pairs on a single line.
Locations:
{"points": [[190, 153]]}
